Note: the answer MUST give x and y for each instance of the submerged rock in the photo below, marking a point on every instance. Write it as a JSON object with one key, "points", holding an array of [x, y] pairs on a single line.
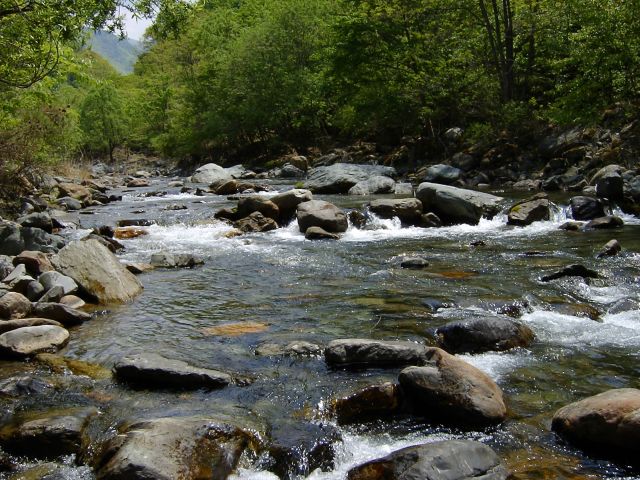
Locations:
{"points": [[318, 213], [355, 352], [177, 260], [610, 249], [456, 205], [443, 460], [414, 263], [26, 341], [576, 270]]}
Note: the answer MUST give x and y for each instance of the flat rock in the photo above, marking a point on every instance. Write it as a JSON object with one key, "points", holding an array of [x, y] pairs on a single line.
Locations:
{"points": [[318, 213], [9, 325], [27, 341], [607, 222], [36, 262], [374, 185], [317, 233], [365, 353], [482, 334], [174, 260], [340, 177], [456, 205], [64, 314], [153, 370], [51, 279], [98, 272], [443, 460]]}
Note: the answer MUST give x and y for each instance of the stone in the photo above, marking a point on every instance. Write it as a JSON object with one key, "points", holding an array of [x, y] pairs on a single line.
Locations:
{"points": [[318, 213], [14, 305], [27, 341], [177, 260], [571, 226], [97, 271], [6, 266], [34, 291], [15, 239], [374, 185], [41, 220], [610, 249], [340, 177], [127, 233], [482, 334], [248, 205], [291, 171], [51, 279], [529, 211], [430, 220], [408, 210], [445, 174], [138, 268], [403, 189], [68, 203], [256, 222], [441, 460], [48, 434], [287, 202], [527, 185], [138, 183], [16, 274], [173, 448], [35, 262], [607, 424], [607, 222], [210, 173], [77, 192], [575, 270], [9, 325], [610, 187], [357, 219], [464, 161], [586, 208], [317, 233], [292, 349], [134, 222], [62, 313], [23, 386], [358, 353], [414, 263], [154, 371], [371, 403], [451, 391], [72, 301], [623, 305], [111, 244], [54, 294], [456, 205]]}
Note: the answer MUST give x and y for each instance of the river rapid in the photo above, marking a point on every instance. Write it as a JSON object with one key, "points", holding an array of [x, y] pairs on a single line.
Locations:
{"points": [[291, 289]]}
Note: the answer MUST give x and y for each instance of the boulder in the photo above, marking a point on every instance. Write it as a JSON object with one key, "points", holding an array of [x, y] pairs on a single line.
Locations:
{"points": [[16, 274], [408, 210], [441, 460], [77, 192], [287, 202], [586, 208], [610, 249], [371, 403], [9, 325], [14, 305], [576, 270], [67, 316], [40, 220], [607, 222], [291, 171], [31, 340], [256, 222], [54, 294], [403, 189], [68, 203], [154, 371], [451, 391], [97, 271], [482, 334], [72, 301], [35, 262], [365, 353], [445, 174], [138, 183], [456, 205], [607, 424], [173, 448], [248, 205], [174, 260], [317, 233], [52, 279], [373, 186], [529, 211], [47, 434], [15, 239], [34, 291], [610, 187], [292, 349], [318, 213], [340, 177], [210, 173]]}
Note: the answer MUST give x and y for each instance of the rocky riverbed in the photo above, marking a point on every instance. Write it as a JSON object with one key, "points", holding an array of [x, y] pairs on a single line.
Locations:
{"points": [[319, 332]]}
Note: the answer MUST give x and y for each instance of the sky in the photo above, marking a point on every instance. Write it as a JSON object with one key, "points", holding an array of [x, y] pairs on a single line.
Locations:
{"points": [[135, 27]]}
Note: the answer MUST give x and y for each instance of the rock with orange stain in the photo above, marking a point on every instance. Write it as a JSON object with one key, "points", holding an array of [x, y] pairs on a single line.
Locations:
{"points": [[235, 329], [126, 233]]}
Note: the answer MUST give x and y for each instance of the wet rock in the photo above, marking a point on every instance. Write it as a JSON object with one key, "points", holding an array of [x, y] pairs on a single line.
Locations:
{"points": [[23, 386], [373, 186], [609, 182], [174, 260], [444, 174], [225, 187], [623, 305], [456, 205], [529, 211], [340, 177], [256, 222], [65, 366], [249, 205], [365, 353], [14, 305], [297, 449], [52, 279], [47, 434], [138, 183], [97, 271], [370, 403], [155, 371], [603, 223], [317, 233], [576, 310], [571, 226], [408, 210], [227, 214], [430, 220], [414, 263], [111, 244], [292, 349], [586, 208], [482, 334], [62, 313], [576, 270], [134, 222], [35, 262], [68, 203], [607, 424], [357, 219], [452, 391], [318, 213], [287, 202], [26, 341], [610, 249], [9, 325], [210, 173], [442, 460], [173, 448], [41, 220], [127, 233], [138, 268]]}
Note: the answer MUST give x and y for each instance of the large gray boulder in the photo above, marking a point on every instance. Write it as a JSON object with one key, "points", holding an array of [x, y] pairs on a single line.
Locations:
{"points": [[445, 174], [318, 213], [359, 353], [607, 423], [408, 210], [97, 271], [452, 391], [443, 460], [457, 205], [27, 341], [154, 371], [173, 448], [373, 185], [340, 177], [210, 173]]}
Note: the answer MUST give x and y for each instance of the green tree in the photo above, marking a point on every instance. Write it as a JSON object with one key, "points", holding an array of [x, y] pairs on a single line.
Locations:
{"points": [[102, 119]]}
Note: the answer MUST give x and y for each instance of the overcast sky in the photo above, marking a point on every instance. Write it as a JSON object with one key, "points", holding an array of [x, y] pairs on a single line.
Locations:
{"points": [[135, 28]]}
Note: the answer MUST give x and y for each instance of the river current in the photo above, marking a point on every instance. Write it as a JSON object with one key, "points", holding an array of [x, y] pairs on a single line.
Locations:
{"points": [[290, 289]]}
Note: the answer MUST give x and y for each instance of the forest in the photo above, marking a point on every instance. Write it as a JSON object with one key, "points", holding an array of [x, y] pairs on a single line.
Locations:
{"points": [[250, 78]]}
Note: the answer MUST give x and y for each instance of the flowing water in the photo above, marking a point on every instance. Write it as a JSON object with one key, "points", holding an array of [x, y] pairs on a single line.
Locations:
{"points": [[290, 289]]}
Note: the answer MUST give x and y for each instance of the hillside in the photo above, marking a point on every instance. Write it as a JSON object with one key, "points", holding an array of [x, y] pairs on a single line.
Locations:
{"points": [[121, 53]]}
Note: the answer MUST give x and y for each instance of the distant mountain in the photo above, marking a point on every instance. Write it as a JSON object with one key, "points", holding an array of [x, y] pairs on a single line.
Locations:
{"points": [[122, 54]]}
